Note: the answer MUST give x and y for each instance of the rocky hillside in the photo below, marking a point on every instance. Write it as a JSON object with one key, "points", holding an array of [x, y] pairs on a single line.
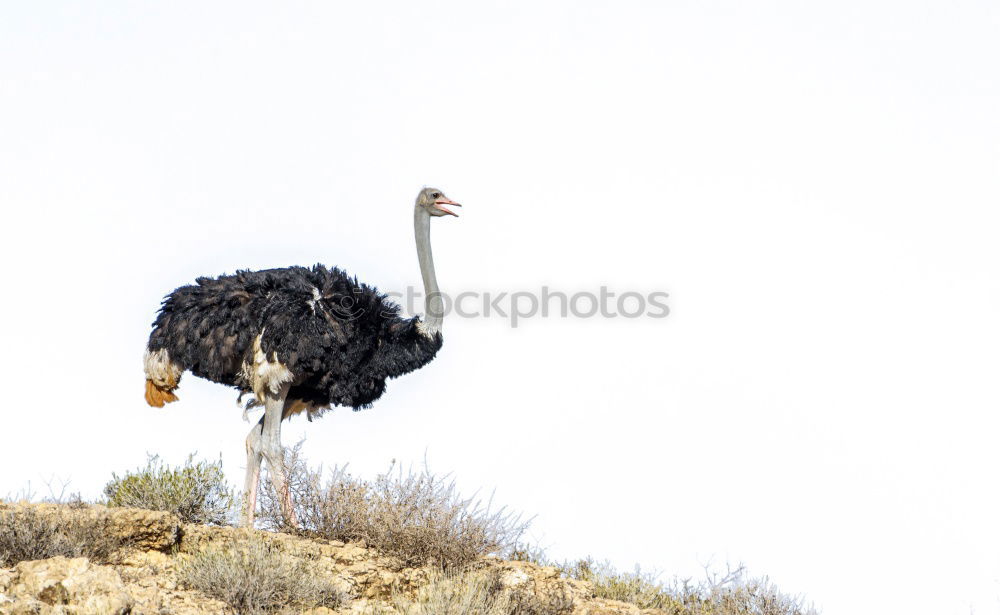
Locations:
{"points": [[151, 572]]}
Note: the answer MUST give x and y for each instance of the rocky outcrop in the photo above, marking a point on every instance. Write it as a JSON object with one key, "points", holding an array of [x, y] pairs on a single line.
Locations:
{"points": [[146, 530], [64, 585], [144, 580]]}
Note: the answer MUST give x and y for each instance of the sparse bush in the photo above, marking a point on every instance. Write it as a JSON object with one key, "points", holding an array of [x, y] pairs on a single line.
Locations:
{"points": [[527, 553], [257, 577], [527, 602], [28, 534], [729, 594], [732, 593], [638, 588], [477, 592], [195, 492], [416, 516], [57, 495], [467, 593], [754, 597]]}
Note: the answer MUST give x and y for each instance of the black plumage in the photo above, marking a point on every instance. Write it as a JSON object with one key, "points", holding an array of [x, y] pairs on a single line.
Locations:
{"points": [[340, 339]]}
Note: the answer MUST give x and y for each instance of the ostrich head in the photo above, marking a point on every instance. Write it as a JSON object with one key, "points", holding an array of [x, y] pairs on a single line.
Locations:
{"points": [[433, 201]]}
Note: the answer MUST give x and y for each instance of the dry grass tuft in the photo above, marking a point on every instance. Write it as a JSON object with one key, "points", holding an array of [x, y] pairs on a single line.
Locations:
{"points": [[195, 492], [27, 534], [638, 588], [757, 596], [732, 593], [416, 516], [258, 577], [469, 593], [477, 593]]}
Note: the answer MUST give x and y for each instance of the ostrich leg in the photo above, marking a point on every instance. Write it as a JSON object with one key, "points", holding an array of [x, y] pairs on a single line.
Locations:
{"points": [[254, 454], [274, 407]]}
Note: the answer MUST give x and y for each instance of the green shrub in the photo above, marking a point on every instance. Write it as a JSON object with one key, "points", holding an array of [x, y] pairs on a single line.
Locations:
{"points": [[195, 492], [256, 577], [29, 534]]}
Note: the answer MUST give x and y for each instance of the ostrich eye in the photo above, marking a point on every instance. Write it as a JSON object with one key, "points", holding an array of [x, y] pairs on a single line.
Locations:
{"points": [[436, 195]]}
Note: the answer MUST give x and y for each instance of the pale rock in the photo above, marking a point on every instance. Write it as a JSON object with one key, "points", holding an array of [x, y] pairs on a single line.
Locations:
{"points": [[69, 586]]}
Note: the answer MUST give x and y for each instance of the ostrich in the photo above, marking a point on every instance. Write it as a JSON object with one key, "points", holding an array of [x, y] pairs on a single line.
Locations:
{"points": [[298, 339]]}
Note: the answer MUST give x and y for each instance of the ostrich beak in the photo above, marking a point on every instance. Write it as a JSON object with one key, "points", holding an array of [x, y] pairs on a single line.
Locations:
{"points": [[440, 206]]}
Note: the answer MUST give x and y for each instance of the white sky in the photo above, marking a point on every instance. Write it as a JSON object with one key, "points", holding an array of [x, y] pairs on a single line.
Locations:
{"points": [[814, 185]]}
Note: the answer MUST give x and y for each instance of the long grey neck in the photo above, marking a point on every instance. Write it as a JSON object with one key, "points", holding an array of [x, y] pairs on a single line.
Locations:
{"points": [[433, 305]]}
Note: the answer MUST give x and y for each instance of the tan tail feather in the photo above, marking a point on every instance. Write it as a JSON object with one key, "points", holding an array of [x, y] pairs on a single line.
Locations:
{"points": [[157, 397]]}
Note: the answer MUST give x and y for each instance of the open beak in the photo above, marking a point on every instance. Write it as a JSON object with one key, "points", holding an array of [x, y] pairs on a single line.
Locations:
{"points": [[439, 204]]}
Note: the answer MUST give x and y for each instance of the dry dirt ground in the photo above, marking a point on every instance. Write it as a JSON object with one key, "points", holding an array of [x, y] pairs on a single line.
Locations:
{"points": [[145, 581]]}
